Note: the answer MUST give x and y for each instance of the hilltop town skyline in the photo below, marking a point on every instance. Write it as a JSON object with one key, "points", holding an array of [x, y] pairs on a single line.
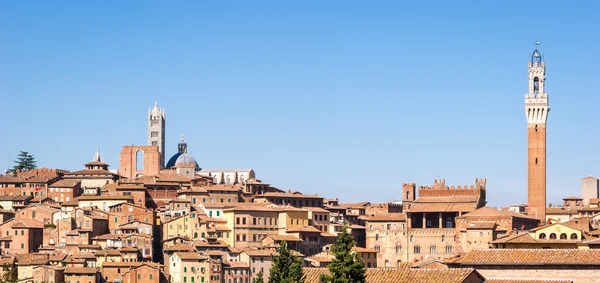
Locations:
{"points": [[299, 142]]}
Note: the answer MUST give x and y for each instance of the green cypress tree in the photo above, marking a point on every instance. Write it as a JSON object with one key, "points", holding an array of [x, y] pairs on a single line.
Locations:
{"points": [[347, 266], [286, 267], [259, 278], [25, 161], [10, 274]]}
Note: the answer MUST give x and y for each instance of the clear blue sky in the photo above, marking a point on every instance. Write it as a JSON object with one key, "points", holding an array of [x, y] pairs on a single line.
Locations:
{"points": [[347, 99]]}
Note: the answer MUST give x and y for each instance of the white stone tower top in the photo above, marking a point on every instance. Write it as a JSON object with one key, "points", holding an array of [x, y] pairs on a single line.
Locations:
{"points": [[536, 101], [156, 130]]}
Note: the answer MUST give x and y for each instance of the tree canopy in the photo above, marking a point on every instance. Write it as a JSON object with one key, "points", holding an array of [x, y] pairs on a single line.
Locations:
{"points": [[348, 265], [286, 267], [259, 278], [25, 161]]}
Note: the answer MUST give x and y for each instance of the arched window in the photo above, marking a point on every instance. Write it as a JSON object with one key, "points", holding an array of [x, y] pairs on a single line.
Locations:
{"points": [[563, 236], [417, 249], [215, 179], [573, 236], [433, 249], [139, 160], [443, 238], [376, 237], [387, 263], [398, 249], [536, 86], [542, 235], [242, 179], [398, 263], [552, 236], [407, 195], [448, 249], [411, 238], [228, 180]]}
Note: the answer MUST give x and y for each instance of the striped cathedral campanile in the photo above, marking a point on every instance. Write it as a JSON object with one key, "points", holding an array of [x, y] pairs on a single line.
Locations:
{"points": [[536, 111]]}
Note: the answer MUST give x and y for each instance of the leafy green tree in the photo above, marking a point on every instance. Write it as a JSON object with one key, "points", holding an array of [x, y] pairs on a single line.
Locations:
{"points": [[347, 266], [25, 161], [9, 275], [259, 278], [286, 267]]}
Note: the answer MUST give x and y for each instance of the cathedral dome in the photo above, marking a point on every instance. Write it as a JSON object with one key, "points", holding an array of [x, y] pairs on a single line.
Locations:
{"points": [[182, 157]]}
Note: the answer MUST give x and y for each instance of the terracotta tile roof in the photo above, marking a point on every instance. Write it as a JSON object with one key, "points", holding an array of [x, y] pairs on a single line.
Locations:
{"points": [[80, 270], [27, 223], [181, 247], [235, 264], [560, 210], [192, 190], [303, 229], [161, 178], [108, 252], [84, 255], [39, 179], [388, 217], [573, 198], [289, 195], [323, 257], [528, 281], [7, 260], [70, 203], [11, 179], [93, 172], [65, 183], [201, 243], [531, 257], [129, 249], [288, 238], [490, 211], [595, 241], [103, 197], [363, 250], [315, 209], [403, 274], [228, 188], [254, 252], [190, 255], [107, 237], [432, 263], [57, 256]]}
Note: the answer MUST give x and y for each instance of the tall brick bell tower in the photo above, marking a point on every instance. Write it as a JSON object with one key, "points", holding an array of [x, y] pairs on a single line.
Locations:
{"points": [[536, 111]]}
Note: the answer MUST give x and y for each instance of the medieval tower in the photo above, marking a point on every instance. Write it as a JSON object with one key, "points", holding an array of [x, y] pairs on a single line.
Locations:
{"points": [[536, 111], [156, 131]]}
